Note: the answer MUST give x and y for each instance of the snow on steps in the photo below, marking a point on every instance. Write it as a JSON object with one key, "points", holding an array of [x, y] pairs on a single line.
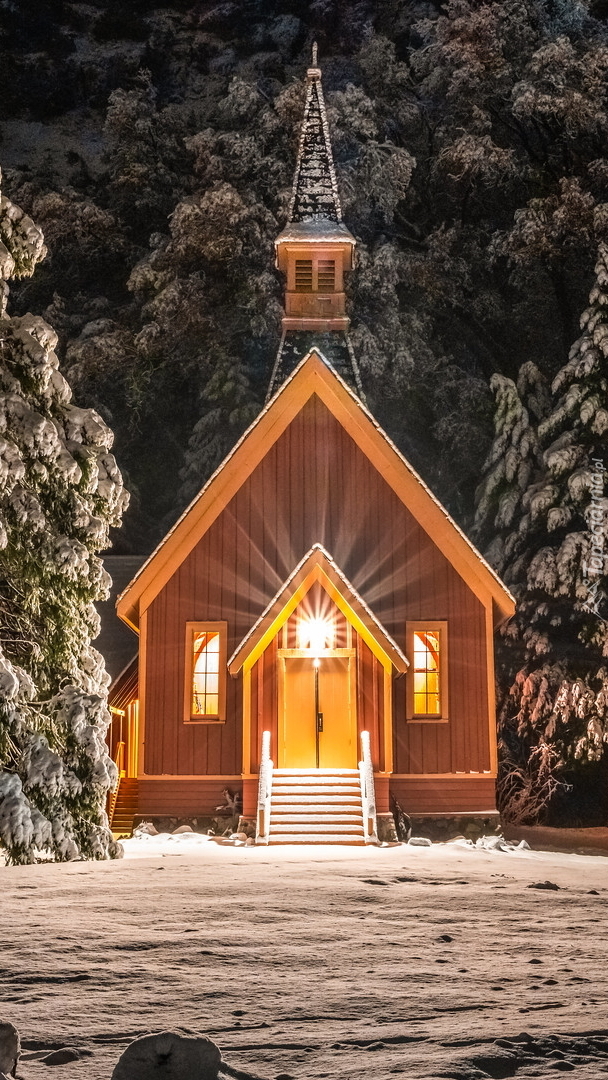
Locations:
{"points": [[316, 806]]}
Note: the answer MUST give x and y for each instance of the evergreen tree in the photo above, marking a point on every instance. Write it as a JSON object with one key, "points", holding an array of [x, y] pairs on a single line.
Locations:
{"points": [[544, 503], [60, 491], [513, 462], [144, 147], [469, 140]]}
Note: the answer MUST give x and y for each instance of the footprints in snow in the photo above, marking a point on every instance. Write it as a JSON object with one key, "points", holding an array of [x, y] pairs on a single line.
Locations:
{"points": [[462, 1058], [404, 879], [537, 984], [505, 1057]]}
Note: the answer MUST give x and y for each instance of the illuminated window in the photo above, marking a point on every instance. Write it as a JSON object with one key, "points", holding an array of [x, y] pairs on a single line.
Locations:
{"points": [[303, 275], [426, 673], [427, 677], [206, 672]]}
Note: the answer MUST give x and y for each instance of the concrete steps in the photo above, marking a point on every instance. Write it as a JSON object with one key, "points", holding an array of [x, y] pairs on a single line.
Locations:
{"points": [[316, 806]]}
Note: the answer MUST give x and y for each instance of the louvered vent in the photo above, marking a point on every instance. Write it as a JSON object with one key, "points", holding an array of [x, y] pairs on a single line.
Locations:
{"points": [[303, 275], [327, 275]]}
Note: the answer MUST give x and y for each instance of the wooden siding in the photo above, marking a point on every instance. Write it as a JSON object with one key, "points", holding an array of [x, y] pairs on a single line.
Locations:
{"points": [[444, 795], [183, 797], [382, 791], [315, 485], [449, 795]]}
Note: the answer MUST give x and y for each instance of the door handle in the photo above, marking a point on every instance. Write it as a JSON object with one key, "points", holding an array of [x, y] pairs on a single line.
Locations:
{"points": [[319, 721]]}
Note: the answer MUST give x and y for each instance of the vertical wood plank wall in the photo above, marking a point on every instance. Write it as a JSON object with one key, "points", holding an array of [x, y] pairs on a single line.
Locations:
{"points": [[315, 485]]}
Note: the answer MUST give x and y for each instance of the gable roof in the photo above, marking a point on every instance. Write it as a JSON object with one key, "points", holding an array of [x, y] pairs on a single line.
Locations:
{"points": [[313, 376], [125, 687], [317, 566]]}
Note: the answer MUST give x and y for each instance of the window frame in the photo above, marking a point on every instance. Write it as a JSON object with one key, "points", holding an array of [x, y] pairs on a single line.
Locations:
{"points": [[432, 626], [205, 626]]}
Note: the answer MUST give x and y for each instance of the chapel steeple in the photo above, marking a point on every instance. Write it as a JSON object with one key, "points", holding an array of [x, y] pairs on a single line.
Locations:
{"points": [[315, 191], [314, 250]]}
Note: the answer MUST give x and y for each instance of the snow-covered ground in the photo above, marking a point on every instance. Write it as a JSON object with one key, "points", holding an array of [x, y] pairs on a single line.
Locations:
{"points": [[336, 963]]}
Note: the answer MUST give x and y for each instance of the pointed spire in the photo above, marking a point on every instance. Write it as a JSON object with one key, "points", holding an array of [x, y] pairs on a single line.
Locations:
{"points": [[314, 251], [315, 191]]}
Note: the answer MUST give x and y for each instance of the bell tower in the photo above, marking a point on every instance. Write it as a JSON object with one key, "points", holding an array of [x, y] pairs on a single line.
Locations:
{"points": [[314, 251]]}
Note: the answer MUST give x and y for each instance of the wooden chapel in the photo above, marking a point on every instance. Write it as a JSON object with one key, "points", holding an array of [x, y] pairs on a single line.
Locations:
{"points": [[315, 630]]}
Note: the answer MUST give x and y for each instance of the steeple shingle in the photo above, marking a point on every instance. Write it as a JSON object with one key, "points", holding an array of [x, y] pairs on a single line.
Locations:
{"points": [[315, 191]]}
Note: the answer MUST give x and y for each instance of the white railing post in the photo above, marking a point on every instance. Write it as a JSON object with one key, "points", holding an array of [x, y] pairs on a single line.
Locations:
{"points": [[264, 791], [368, 793]]}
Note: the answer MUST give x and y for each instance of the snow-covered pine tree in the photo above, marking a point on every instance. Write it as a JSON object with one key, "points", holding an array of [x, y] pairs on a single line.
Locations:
{"points": [[229, 409], [60, 491], [544, 502], [512, 464]]}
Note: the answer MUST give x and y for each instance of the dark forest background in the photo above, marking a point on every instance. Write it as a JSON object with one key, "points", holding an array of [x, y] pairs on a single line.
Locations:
{"points": [[155, 146]]}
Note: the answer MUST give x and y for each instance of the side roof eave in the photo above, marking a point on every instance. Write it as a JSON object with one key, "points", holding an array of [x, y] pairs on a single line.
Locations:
{"points": [[313, 375], [279, 608]]}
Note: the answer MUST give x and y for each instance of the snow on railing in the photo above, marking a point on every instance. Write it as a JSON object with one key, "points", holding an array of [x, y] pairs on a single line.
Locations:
{"points": [[368, 793], [264, 791]]}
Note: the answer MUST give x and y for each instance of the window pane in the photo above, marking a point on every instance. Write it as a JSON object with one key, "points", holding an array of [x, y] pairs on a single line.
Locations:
{"points": [[427, 701], [419, 682], [432, 683], [212, 704], [206, 673]]}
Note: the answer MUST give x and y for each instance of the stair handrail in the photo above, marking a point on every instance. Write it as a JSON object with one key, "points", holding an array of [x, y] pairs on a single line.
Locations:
{"points": [[119, 757], [264, 791], [368, 791]]}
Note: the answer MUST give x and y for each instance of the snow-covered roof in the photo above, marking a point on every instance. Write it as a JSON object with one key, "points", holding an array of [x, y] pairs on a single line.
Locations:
{"points": [[124, 688], [333, 345], [319, 230]]}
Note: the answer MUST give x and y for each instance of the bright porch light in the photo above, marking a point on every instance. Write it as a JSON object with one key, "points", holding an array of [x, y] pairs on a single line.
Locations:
{"points": [[316, 635]]}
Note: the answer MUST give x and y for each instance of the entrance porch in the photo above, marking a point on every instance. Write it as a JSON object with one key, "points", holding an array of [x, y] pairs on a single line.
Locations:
{"points": [[317, 675]]}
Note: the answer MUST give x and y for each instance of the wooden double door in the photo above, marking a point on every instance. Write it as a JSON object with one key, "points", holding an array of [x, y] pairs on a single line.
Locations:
{"points": [[317, 710]]}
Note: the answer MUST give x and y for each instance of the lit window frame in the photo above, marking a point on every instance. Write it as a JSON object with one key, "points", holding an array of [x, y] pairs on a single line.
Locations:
{"points": [[431, 626], [205, 627]]}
